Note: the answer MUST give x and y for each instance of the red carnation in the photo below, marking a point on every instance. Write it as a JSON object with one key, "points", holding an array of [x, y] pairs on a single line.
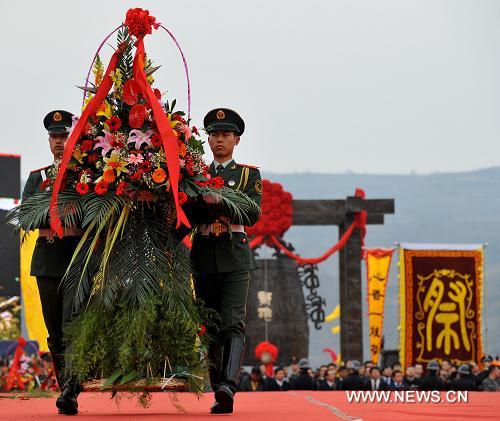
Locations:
{"points": [[116, 144], [136, 176], [157, 93], [195, 131], [131, 91], [183, 197], [121, 188], [82, 188], [145, 166], [92, 158], [86, 145], [139, 22], [114, 123], [136, 116], [101, 188]]}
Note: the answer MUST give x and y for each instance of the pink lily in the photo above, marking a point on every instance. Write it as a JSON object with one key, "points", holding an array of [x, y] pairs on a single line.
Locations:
{"points": [[138, 137], [104, 142]]}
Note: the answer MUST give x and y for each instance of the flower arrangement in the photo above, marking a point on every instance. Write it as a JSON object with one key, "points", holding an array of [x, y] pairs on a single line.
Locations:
{"points": [[131, 167]]}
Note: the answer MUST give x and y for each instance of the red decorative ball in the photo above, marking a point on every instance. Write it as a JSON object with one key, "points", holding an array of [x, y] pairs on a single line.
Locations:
{"points": [[277, 211]]}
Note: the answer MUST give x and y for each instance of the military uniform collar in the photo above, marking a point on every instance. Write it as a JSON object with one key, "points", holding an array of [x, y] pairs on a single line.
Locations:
{"points": [[225, 164], [230, 164]]}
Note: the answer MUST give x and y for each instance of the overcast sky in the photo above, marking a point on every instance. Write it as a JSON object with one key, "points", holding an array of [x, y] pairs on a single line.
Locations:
{"points": [[325, 86]]}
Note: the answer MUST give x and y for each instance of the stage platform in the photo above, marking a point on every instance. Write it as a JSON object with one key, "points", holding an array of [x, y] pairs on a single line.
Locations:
{"points": [[258, 406]]}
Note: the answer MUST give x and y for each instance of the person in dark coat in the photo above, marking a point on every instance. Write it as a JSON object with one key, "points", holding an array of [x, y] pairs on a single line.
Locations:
{"points": [[329, 382], [431, 381], [397, 381], [252, 383], [221, 257], [375, 381], [354, 381], [279, 383], [51, 257], [464, 381], [487, 360], [342, 376], [411, 381], [304, 381]]}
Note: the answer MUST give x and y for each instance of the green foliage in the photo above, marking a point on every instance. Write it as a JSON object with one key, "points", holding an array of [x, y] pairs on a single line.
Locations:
{"points": [[126, 61]]}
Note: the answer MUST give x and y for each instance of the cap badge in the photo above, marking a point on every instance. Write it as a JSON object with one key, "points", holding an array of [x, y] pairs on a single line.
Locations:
{"points": [[221, 115], [57, 116]]}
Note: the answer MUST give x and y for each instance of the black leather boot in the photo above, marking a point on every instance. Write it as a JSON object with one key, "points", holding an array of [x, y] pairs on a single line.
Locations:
{"points": [[58, 363], [232, 357], [67, 403]]}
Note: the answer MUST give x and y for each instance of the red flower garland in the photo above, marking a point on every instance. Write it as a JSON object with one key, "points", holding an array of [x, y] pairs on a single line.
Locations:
{"points": [[277, 212]]}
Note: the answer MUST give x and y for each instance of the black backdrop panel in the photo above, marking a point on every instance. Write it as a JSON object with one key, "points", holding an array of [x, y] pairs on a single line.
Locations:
{"points": [[282, 303], [9, 259], [10, 174]]}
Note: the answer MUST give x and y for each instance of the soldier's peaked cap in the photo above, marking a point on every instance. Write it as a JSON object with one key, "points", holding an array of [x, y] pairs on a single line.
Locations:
{"points": [[224, 119], [58, 121]]}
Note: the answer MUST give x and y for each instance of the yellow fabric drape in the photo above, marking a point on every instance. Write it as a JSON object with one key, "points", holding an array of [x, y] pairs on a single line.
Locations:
{"points": [[31, 298], [378, 262]]}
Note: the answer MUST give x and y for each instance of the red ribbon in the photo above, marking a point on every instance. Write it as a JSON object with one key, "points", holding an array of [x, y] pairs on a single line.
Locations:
{"points": [[169, 139], [167, 135], [14, 368], [104, 88], [359, 223]]}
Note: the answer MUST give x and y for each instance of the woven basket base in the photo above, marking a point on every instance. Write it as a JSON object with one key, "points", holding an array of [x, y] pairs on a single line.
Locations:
{"points": [[150, 385]]}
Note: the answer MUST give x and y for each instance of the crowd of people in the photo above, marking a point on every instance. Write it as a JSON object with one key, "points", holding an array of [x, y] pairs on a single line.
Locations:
{"points": [[34, 372], [353, 375]]}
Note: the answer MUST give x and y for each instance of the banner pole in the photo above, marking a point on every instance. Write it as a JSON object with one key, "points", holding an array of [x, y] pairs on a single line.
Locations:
{"points": [[485, 302]]}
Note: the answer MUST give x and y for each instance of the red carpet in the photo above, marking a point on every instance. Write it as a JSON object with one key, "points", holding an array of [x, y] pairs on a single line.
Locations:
{"points": [[268, 406]]}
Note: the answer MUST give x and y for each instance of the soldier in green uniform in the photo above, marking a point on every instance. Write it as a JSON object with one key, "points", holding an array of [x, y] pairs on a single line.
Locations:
{"points": [[222, 257], [50, 259]]}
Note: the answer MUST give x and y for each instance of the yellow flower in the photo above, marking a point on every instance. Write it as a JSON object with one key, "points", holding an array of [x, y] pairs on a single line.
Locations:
{"points": [[78, 155], [115, 162], [88, 98], [104, 110]]}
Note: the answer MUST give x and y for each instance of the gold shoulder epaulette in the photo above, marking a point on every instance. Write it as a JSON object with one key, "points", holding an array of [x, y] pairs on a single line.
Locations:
{"points": [[248, 166]]}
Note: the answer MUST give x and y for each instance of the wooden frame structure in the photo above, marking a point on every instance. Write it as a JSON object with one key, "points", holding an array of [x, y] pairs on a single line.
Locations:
{"points": [[341, 213]]}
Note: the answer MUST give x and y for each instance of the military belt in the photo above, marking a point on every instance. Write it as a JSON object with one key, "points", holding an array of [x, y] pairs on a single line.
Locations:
{"points": [[68, 232], [218, 228]]}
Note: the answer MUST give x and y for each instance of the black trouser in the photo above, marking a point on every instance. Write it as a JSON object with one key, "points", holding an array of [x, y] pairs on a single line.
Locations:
{"points": [[51, 298], [226, 293]]}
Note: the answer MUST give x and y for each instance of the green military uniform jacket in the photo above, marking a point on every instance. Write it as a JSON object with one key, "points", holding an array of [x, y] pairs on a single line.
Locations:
{"points": [[211, 254], [50, 258]]}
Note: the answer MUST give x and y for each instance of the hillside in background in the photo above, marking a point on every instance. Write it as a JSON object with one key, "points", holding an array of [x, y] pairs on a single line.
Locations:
{"points": [[436, 208]]}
